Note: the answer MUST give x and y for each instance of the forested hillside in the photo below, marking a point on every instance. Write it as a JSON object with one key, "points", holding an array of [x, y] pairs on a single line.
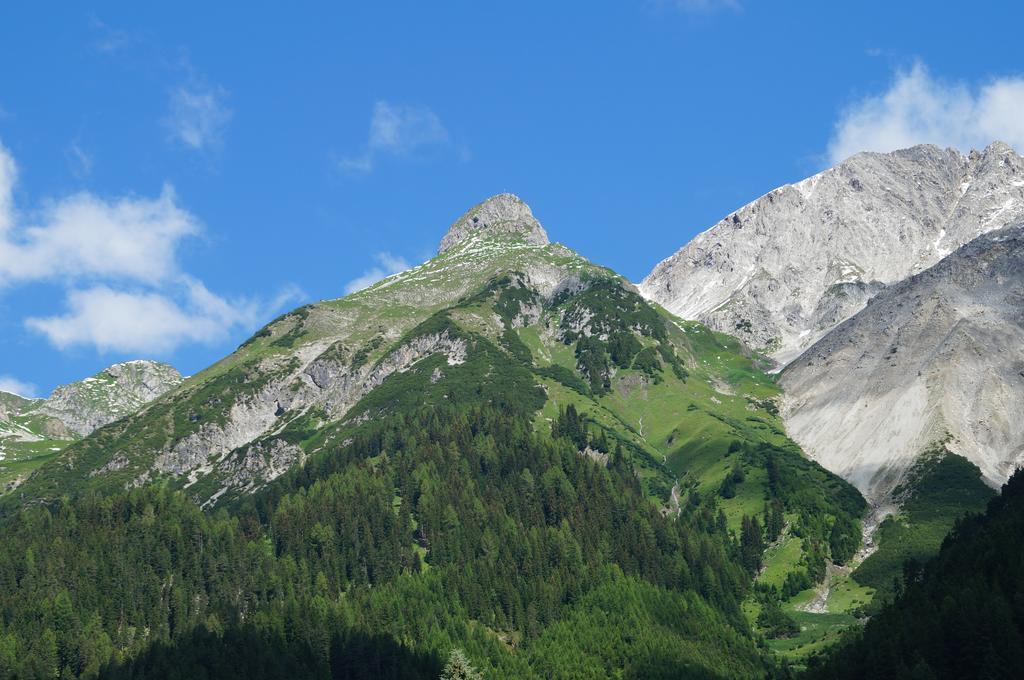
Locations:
{"points": [[439, 528], [960, 615]]}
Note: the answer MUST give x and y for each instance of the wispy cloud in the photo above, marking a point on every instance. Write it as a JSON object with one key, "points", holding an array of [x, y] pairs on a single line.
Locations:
{"points": [[920, 108], [146, 321], [198, 115], [8, 176], [108, 39], [12, 385], [397, 131], [119, 259], [387, 264], [79, 160]]}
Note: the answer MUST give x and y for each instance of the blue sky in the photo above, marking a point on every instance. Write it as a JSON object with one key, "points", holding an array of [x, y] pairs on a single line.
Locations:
{"points": [[172, 177]]}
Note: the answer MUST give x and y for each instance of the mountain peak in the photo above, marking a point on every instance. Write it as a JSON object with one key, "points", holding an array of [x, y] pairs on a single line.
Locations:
{"points": [[113, 392], [503, 213], [783, 270], [999, 147]]}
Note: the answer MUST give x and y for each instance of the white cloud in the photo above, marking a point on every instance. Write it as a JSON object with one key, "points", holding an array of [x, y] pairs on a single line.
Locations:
{"points": [[387, 264], [198, 115], [919, 108], [398, 131], [83, 236], [148, 321], [12, 385], [119, 259]]}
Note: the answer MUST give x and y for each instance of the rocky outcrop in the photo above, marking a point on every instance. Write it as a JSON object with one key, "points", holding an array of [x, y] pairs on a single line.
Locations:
{"points": [[110, 394], [332, 381], [76, 409], [504, 213], [787, 268], [254, 465], [937, 357], [342, 385]]}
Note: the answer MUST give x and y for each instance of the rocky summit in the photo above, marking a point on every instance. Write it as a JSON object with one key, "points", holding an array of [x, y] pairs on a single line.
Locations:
{"points": [[503, 213], [110, 394], [32, 431], [785, 269]]}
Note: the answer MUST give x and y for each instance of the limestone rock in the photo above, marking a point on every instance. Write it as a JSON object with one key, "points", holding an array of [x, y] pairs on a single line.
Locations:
{"points": [[787, 268], [939, 356], [504, 213]]}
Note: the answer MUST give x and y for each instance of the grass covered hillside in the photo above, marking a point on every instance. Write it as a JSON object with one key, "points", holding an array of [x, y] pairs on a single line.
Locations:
{"points": [[938, 490]]}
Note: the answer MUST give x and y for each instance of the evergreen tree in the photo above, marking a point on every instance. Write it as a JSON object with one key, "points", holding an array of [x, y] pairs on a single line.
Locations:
{"points": [[751, 544], [459, 668]]}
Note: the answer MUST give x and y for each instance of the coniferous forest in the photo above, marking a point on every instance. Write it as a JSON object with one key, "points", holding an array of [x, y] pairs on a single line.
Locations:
{"points": [[432, 531], [456, 535], [439, 529]]}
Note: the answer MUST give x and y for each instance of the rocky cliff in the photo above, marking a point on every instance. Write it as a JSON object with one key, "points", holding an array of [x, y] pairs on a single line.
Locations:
{"points": [[787, 268]]}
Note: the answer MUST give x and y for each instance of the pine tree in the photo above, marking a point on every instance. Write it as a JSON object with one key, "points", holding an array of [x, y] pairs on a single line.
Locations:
{"points": [[751, 544], [459, 668]]}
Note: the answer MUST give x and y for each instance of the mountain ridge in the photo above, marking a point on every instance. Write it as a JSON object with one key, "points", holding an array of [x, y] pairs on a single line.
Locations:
{"points": [[783, 270], [324, 357]]}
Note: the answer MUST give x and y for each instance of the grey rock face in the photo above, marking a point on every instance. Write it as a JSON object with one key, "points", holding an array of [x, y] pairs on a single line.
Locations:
{"points": [[784, 270], [110, 394], [326, 382], [939, 355], [504, 213]]}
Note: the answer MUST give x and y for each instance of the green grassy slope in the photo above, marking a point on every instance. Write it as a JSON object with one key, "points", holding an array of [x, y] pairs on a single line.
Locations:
{"points": [[27, 440], [940, 488]]}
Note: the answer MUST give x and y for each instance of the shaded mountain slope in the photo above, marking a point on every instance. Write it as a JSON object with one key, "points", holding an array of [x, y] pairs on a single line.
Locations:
{"points": [[961, 614]]}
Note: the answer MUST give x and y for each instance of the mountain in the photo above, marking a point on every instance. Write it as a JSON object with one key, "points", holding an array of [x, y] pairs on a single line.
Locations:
{"points": [[504, 450], [110, 394], [889, 289], [33, 430], [935, 359], [231, 428], [685, 402], [785, 269]]}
